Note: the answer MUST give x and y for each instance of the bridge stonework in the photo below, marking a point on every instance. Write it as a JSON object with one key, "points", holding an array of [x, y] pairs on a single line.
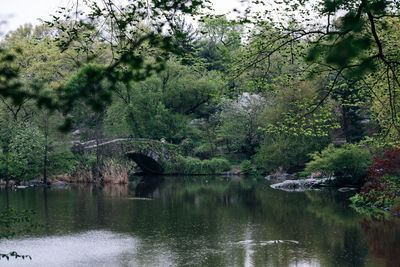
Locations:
{"points": [[150, 155]]}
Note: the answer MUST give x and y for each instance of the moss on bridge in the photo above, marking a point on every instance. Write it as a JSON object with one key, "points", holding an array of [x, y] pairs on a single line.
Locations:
{"points": [[166, 151], [156, 157], [164, 158]]}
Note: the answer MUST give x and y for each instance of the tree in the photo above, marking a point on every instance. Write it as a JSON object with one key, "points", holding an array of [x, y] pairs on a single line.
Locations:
{"points": [[221, 38], [185, 38], [351, 40], [120, 30], [128, 32], [87, 87], [162, 105], [352, 99], [292, 128], [39, 67], [25, 144], [240, 123]]}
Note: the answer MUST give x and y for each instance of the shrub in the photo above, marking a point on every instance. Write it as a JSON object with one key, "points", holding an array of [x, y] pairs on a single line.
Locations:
{"points": [[204, 150], [62, 162], [191, 166], [381, 191], [114, 172], [245, 167], [396, 207], [382, 188], [287, 152], [25, 158], [304, 174], [348, 163], [83, 171], [359, 205], [187, 147], [3, 164]]}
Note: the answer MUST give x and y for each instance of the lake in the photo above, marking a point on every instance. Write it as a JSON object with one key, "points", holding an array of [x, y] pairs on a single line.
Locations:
{"points": [[197, 221]]}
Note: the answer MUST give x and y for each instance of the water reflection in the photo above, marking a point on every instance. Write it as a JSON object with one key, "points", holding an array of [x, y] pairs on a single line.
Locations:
{"points": [[383, 238], [203, 221], [147, 187]]}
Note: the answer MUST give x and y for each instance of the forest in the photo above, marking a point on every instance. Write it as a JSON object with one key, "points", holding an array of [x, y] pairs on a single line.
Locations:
{"points": [[306, 89]]}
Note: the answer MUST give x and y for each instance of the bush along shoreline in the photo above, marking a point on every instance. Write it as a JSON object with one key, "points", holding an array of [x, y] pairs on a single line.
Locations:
{"points": [[117, 171], [375, 171], [196, 166], [382, 187], [80, 170], [348, 164]]}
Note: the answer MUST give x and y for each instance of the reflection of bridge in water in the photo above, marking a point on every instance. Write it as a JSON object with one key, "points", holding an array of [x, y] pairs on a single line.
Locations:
{"points": [[150, 155]]}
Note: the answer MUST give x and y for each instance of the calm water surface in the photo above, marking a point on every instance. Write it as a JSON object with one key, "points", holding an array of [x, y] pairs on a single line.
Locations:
{"points": [[198, 221]]}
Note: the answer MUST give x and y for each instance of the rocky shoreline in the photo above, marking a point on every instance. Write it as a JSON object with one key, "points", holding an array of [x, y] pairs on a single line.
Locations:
{"points": [[303, 184], [33, 183], [291, 183]]}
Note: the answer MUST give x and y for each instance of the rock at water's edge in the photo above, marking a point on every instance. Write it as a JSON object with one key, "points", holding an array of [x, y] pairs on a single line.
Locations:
{"points": [[281, 177], [59, 184], [302, 185], [346, 189]]}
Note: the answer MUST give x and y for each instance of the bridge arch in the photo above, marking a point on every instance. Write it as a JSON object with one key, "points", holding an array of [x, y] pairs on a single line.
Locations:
{"points": [[146, 163]]}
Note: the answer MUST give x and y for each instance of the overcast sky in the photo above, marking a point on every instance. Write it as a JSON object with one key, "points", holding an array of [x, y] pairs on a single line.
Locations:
{"points": [[19, 12]]}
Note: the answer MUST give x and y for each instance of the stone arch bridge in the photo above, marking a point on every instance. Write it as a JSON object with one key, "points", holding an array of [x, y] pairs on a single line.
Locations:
{"points": [[150, 155]]}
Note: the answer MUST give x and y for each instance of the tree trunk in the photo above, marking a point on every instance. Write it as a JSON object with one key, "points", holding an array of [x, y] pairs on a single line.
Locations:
{"points": [[98, 151], [46, 149], [6, 170], [45, 162]]}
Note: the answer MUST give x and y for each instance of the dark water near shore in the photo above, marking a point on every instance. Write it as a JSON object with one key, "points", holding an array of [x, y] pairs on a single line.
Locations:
{"points": [[198, 221]]}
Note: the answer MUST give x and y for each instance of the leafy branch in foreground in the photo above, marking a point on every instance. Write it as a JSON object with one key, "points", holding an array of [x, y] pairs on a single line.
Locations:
{"points": [[129, 33], [15, 255], [353, 39]]}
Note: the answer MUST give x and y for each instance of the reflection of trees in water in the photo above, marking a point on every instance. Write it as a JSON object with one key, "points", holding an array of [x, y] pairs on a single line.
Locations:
{"points": [[383, 238], [343, 244], [116, 190], [109, 190], [148, 185], [204, 213], [347, 246], [206, 190], [332, 207], [321, 221]]}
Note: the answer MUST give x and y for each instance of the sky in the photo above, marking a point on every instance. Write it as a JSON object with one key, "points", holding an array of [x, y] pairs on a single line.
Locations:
{"points": [[19, 12]]}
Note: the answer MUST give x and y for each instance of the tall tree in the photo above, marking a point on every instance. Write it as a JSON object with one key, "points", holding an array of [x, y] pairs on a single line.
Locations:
{"points": [[350, 39]]}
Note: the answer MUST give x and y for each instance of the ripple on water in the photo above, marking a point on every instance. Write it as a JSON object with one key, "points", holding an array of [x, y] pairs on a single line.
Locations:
{"points": [[93, 248]]}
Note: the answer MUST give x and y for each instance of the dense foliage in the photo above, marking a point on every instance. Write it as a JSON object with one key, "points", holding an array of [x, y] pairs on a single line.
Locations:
{"points": [[195, 166], [271, 94], [290, 86], [382, 188], [348, 163]]}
